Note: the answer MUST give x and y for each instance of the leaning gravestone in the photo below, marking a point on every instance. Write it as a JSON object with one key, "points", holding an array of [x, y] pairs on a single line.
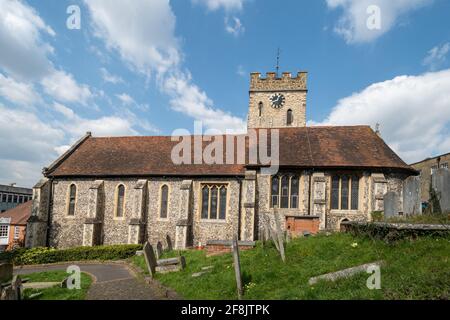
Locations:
{"points": [[169, 243], [159, 250], [412, 196], [390, 204], [150, 259], [6, 272], [441, 184]]}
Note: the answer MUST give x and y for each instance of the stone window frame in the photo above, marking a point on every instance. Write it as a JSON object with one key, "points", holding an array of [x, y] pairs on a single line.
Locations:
{"points": [[210, 185], [169, 190], [68, 201], [116, 202], [350, 175], [280, 177], [260, 108], [289, 117]]}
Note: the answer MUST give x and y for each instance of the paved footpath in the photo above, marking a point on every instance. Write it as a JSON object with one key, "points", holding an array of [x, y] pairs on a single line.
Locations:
{"points": [[112, 281]]}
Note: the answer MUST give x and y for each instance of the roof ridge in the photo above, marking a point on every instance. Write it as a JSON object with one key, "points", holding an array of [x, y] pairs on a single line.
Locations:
{"points": [[66, 154]]}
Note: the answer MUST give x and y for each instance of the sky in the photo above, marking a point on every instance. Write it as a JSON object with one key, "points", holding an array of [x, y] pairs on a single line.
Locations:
{"points": [[150, 67]]}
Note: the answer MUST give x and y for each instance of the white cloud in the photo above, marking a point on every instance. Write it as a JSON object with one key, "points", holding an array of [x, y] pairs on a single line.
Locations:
{"points": [[234, 26], [228, 5], [62, 86], [437, 56], [142, 32], [18, 92], [65, 111], [26, 145], [23, 52], [352, 24], [125, 99], [111, 78], [134, 30], [189, 99], [413, 112]]}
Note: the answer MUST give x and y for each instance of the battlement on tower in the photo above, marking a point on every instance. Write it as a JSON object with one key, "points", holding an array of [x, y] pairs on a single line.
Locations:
{"points": [[273, 83]]}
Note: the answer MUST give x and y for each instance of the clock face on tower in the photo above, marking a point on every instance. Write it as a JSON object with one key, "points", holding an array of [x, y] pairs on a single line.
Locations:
{"points": [[277, 100]]}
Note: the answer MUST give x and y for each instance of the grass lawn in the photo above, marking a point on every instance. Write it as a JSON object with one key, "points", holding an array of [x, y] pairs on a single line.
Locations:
{"points": [[417, 269], [57, 293]]}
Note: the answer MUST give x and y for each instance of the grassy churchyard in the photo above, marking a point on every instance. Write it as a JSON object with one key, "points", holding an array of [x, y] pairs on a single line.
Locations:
{"points": [[56, 292], [413, 269]]}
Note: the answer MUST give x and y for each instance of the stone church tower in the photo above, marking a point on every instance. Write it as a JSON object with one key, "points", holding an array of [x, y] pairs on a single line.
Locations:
{"points": [[277, 102]]}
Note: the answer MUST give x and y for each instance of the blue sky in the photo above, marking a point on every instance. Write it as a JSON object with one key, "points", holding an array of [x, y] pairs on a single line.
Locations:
{"points": [[148, 67]]}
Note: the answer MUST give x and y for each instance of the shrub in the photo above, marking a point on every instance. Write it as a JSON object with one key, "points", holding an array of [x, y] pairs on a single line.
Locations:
{"points": [[50, 255], [377, 216]]}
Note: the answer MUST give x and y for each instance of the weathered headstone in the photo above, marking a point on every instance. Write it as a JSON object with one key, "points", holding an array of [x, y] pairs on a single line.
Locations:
{"points": [[169, 243], [280, 238], [390, 204], [6, 272], [159, 250], [412, 204], [237, 267], [441, 184], [150, 259]]}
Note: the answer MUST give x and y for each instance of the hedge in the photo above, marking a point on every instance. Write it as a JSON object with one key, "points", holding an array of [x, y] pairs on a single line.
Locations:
{"points": [[42, 255]]}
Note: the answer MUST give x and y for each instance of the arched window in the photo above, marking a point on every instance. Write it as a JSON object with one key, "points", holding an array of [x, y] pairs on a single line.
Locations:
{"points": [[205, 202], [285, 192], [214, 201], [213, 208], [223, 203], [289, 117], [120, 201], [275, 191], [260, 108], [72, 199], [345, 193], [294, 192], [164, 201]]}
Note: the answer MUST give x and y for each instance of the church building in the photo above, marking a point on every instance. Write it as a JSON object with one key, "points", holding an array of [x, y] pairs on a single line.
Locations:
{"points": [[119, 190]]}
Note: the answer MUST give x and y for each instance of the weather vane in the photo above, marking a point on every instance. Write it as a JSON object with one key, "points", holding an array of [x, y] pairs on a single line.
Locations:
{"points": [[278, 63]]}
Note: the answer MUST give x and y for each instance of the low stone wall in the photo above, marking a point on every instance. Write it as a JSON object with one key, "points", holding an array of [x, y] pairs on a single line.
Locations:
{"points": [[395, 231], [221, 247]]}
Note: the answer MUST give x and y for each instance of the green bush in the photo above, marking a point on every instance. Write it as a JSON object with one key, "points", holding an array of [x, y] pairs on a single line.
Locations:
{"points": [[377, 216], [50, 255]]}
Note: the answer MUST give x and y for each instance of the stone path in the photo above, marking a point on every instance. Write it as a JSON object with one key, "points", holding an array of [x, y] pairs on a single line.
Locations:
{"points": [[112, 281]]}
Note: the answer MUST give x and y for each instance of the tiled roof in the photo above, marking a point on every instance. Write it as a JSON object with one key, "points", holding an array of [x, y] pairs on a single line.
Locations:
{"points": [[20, 214], [319, 147]]}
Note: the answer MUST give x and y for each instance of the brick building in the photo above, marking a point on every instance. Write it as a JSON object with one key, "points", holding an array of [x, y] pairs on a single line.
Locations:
{"points": [[426, 168], [13, 224], [114, 190]]}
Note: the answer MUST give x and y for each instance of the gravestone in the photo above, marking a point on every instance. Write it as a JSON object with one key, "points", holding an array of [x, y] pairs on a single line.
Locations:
{"points": [[150, 259], [412, 204], [169, 243], [6, 272], [159, 250], [237, 267], [390, 204], [441, 184]]}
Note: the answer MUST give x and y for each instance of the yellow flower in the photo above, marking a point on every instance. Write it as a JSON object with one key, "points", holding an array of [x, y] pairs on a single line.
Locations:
{"points": [[354, 244]]}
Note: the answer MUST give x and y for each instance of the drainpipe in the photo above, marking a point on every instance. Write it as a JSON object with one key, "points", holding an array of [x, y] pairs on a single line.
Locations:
{"points": [[49, 211]]}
